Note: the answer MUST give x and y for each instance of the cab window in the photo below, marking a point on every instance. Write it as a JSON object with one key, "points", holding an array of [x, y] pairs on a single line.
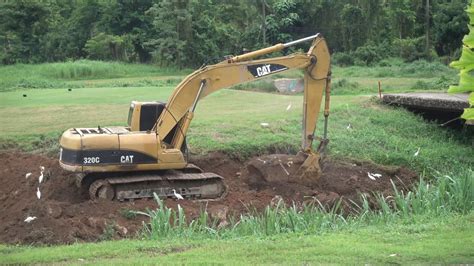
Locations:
{"points": [[130, 113]]}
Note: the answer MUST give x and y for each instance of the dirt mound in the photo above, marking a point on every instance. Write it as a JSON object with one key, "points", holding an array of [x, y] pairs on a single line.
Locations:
{"points": [[64, 214]]}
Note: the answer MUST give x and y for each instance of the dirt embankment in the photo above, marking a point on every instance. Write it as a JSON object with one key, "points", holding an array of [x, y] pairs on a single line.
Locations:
{"points": [[64, 214]]}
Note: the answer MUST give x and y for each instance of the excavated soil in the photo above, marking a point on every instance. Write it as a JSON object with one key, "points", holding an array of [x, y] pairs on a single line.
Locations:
{"points": [[66, 215]]}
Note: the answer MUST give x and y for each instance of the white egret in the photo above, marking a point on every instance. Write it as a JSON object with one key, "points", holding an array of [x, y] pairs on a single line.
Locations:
{"points": [[288, 107], [40, 178], [370, 176], [417, 152], [29, 219], [38, 193], [177, 195]]}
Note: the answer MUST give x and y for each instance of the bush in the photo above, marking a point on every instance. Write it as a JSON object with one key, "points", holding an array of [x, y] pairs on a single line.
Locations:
{"points": [[368, 54], [441, 83], [425, 68], [343, 86], [410, 49], [343, 59], [391, 62], [108, 47]]}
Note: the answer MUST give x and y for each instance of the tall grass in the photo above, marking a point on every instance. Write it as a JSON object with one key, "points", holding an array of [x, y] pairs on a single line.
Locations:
{"points": [[395, 67], [166, 222], [87, 69], [59, 75], [443, 196]]}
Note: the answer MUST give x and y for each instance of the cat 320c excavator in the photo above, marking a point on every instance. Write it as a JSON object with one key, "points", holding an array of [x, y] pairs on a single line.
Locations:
{"points": [[148, 156]]}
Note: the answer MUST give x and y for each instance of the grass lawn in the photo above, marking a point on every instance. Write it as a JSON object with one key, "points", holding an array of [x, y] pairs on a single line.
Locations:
{"points": [[378, 133], [445, 240]]}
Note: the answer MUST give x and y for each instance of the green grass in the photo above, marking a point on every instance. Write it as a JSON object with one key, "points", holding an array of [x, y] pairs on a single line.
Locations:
{"points": [[83, 73], [426, 240], [379, 133], [394, 75], [397, 68]]}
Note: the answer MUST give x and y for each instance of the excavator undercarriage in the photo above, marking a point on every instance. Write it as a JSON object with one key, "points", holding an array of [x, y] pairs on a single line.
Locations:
{"points": [[189, 182], [149, 154]]}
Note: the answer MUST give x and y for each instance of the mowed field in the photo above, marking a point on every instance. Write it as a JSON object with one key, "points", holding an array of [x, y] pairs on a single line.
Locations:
{"points": [[39, 102]]}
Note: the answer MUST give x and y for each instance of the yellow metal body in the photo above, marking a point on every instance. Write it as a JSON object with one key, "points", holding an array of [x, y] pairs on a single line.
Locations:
{"points": [[92, 151]]}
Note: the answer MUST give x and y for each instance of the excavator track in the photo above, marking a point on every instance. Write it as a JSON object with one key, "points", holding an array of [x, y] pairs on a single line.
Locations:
{"points": [[189, 183]]}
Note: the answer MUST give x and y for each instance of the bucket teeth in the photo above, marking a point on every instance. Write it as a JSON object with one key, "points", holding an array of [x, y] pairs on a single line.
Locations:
{"points": [[310, 171]]}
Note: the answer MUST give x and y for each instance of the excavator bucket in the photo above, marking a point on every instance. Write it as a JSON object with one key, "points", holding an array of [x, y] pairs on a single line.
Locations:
{"points": [[302, 168], [309, 172]]}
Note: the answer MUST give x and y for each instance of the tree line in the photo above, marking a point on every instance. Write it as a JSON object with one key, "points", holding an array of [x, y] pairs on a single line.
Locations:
{"points": [[189, 33]]}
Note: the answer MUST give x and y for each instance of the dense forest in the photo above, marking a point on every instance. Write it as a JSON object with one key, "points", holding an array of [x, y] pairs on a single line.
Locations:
{"points": [[188, 33]]}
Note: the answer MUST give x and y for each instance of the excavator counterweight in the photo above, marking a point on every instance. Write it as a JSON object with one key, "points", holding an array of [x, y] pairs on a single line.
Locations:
{"points": [[148, 155]]}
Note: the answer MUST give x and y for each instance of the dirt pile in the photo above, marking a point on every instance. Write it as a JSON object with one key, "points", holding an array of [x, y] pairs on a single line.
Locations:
{"points": [[64, 214]]}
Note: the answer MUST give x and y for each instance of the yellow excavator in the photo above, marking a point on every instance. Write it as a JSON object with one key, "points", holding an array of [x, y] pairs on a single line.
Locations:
{"points": [[149, 155]]}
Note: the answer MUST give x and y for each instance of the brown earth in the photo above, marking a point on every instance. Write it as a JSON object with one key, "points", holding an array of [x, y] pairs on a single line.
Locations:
{"points": [[66, 215]]}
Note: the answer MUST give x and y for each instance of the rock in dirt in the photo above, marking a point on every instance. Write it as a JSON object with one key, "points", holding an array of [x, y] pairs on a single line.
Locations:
{"points": [[275, 168], [54, 210], [327, 198], [121, 230], [219, 213], [283, 168], [96, 223]]}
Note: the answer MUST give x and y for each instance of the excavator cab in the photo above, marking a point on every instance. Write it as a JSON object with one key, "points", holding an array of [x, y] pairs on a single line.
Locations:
{"points": [[142, 116]]}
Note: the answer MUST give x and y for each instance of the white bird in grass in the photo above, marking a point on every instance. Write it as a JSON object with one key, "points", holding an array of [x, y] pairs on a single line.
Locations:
{"points": [[289, 107], [349, 126], [177, 195], [29, 219], [27, 175], [38, 193], [417, 152]]}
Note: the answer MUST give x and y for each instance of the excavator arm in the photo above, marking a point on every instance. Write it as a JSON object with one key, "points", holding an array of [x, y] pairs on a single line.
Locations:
{"points": [[240, 69]]}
